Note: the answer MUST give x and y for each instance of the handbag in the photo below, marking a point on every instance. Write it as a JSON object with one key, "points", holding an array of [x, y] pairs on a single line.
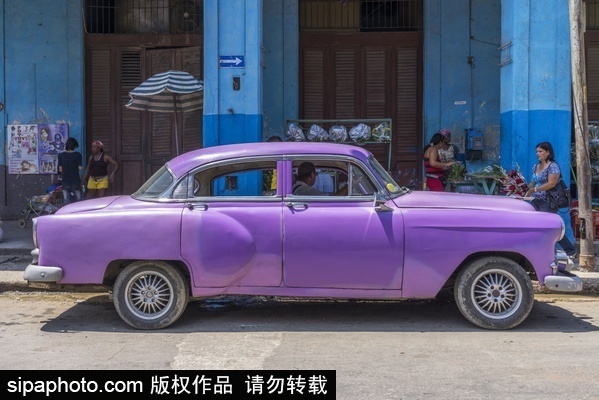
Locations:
{"points": [[559, 195]]}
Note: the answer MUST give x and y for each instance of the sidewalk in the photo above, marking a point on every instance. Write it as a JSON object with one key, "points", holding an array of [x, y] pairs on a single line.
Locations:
{"points": [[18, 243]]}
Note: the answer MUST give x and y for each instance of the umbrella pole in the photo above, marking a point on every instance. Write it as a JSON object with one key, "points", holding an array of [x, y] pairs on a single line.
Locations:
{"points": [[176, 126]]}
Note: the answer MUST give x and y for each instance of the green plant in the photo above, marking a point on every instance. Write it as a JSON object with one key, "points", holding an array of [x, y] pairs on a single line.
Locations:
{"points": [[457, 172]]}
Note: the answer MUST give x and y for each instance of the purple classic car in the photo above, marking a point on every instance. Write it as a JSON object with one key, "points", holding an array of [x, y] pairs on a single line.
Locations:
{"points": [[224, 220]]}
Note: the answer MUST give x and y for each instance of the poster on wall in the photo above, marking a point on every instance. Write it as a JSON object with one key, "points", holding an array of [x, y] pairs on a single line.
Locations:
{"points": [[52, 141], [33, 149]]}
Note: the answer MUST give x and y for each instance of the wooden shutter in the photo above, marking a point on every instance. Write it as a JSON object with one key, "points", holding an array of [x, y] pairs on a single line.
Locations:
{"points": [[367, 76], [129, 135], [100, 106], [406, 114], [313, 84], [375, 81], [346, 82], [592, 73], [191, 131], [406, 126]]}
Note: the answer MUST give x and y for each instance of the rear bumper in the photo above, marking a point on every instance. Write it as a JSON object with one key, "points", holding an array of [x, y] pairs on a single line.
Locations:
{"points": [[40, 273]]}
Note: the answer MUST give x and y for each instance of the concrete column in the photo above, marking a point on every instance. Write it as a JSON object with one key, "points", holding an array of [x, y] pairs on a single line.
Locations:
{"points": [[536, 83], [232, 92]]}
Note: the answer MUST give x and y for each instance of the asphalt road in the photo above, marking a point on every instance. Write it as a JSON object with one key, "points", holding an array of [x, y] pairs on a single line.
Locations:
{"points": [[380, 350]]}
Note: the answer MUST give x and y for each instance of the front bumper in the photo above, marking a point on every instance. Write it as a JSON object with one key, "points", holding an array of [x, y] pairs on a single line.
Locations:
{"points": [[563, 283], [41, 273], [562, 279]]}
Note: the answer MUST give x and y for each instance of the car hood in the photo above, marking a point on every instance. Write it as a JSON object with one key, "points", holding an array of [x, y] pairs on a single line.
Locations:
{"points": [[90, 205], [427, 199]]}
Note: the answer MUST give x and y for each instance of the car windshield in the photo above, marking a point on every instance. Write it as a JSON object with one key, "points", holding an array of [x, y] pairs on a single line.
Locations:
{"points": [[156, 185], [393, 189]]}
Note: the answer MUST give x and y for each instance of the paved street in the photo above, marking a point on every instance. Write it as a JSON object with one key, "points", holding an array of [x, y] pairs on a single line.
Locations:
{"points": [[390, 350]]}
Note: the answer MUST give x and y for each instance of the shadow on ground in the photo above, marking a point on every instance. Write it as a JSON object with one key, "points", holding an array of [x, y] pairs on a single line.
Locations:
{"points": [[264, 314]]}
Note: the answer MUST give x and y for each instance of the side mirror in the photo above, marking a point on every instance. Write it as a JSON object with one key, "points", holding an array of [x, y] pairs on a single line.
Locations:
{"points": [[379, 204]]}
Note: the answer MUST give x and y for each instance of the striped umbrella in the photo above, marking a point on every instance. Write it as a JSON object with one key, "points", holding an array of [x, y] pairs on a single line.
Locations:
{"points": [[168, 92]]}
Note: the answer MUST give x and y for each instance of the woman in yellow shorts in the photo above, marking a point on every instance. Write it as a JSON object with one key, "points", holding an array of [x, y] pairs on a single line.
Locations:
{"points": [[97, 171]]}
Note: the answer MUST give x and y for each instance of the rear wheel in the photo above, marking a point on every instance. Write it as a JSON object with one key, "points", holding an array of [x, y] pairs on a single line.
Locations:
{"points": [[494, 293], [22, 223], [150, 294]]}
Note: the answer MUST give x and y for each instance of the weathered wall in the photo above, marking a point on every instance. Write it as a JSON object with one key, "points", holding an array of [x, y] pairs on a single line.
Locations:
{"points": [[232, 28], [536, 85], [280, 65], [458, 93], [42, 70]]}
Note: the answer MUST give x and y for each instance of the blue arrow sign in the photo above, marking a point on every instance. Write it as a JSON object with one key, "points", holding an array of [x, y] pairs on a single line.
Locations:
{"points": [[231, 61]]}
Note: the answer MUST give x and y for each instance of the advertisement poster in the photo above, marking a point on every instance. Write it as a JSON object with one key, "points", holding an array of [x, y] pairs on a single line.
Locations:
{"points": [[33, 149]]}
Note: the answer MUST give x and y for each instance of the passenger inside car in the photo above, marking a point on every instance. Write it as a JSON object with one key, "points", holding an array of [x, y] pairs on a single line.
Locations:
{"points": [[336, 174], [306, 177]]}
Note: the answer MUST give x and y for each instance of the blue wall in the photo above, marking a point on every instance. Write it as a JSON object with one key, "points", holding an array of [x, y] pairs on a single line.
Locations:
{"points": [[458, 94], [536, 84], [281, 96], [42, 71], [232, 28], [43, 68]]}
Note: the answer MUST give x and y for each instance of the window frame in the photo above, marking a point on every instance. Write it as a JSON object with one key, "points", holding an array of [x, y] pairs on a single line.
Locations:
{"points": [[328, 158], [277, 197]]}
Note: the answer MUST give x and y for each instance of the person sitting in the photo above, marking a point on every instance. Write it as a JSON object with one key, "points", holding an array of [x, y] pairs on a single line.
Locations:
{"points": [[306, 177], [434, 168]]}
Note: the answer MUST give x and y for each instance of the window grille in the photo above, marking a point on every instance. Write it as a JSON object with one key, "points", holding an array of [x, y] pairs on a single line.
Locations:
{"points": [[144, 16], [361, 15]]}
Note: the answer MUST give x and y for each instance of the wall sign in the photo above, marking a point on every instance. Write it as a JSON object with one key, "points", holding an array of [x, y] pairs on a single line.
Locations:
{"points": [[33, 149], [231, 62]]}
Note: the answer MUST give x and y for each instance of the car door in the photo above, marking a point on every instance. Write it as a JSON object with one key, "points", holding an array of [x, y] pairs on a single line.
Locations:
{"points": [[341, 241], [232, 226]]}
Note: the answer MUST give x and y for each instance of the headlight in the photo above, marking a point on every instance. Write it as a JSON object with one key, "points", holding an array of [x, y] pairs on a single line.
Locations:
{"points": [[34, 229]]}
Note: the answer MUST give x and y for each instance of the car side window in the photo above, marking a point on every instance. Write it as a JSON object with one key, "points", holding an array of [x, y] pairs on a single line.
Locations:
{"points": [[361, 184], [332, 176], [181, 191], [241, 179]]}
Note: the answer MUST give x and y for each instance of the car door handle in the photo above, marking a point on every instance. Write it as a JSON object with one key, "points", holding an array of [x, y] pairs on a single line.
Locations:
{"points": [[296, 205], [197, 206]]}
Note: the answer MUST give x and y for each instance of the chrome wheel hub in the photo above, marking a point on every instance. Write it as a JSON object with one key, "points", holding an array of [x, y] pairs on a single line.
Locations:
{"points": [[496, 294], [149, 295]]}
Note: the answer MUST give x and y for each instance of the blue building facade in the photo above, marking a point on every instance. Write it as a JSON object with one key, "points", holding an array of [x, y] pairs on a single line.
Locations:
{"points": [[498, 67]]}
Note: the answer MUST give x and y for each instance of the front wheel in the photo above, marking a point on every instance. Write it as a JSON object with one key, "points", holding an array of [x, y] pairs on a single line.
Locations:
{"points": [[150, 294], [494, 293]]}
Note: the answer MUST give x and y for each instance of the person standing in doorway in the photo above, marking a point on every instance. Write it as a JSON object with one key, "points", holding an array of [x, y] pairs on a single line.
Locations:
{"points": [[70, 164], [97, 171]]}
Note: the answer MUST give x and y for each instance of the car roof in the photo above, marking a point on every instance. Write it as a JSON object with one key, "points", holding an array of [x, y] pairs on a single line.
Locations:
{"points": [[185, 162]]}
